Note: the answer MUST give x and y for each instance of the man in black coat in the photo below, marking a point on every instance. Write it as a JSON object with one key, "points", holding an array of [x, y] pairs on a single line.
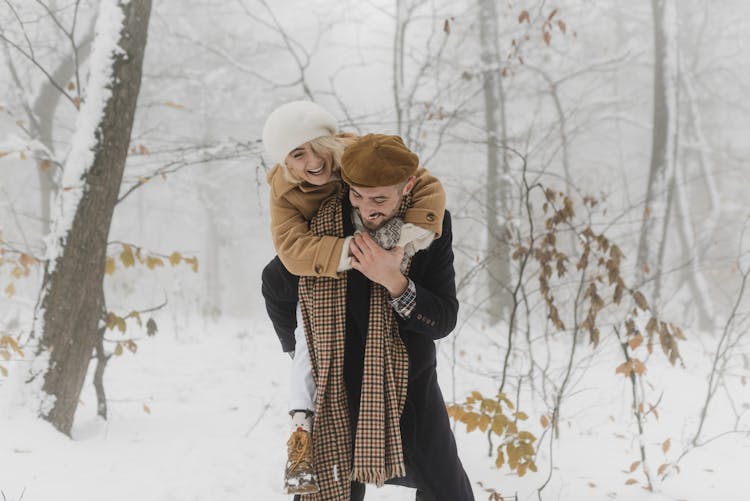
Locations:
{"points": [[426, 310]]}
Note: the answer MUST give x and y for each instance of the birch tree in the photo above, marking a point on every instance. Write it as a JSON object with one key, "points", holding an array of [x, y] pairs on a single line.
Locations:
{"points": [[71, 300]]}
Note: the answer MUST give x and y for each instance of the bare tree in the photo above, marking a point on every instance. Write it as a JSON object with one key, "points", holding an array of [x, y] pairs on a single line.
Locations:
{"points": [[660, 189], [498, 167], [71, 301], [41, 112]]}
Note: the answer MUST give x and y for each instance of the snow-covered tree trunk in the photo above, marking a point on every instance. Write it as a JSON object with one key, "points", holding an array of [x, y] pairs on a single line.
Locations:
{"points": [[664, 136], [498, 170], [71, 302]]}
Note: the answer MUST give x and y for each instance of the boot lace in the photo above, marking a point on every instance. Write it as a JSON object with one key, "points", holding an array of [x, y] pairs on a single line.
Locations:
{"points": [[298, 449]]}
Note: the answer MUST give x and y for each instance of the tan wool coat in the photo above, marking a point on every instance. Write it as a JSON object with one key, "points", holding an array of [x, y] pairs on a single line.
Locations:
{"points": [[293, 205]]}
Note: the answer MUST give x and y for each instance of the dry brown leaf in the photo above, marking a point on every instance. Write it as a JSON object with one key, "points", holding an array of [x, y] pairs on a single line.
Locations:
{"points": [[635, 342], [544, 421], [174, 105], [109, 267]]}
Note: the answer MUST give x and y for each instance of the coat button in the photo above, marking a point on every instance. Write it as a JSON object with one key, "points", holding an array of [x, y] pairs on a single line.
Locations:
{"points": [[431, 217], [419, 316], [318, 269]]}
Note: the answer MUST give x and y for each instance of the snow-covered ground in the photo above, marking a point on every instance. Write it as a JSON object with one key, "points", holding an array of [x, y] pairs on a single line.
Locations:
{"points": [[199, 414]]}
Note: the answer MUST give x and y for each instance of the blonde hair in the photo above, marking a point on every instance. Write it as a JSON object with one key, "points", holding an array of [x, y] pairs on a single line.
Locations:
{"points": [[332, 146]]}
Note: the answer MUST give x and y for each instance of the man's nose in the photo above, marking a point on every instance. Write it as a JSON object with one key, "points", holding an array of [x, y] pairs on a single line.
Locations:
{"points": [[369, 210]]}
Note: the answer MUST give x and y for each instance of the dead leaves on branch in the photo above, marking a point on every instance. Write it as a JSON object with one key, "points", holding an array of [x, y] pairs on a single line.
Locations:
{"points": [[132, 255], [602, 285], [116, 322], [498, 416], [8, 347], [548, 25], [20, 265]]}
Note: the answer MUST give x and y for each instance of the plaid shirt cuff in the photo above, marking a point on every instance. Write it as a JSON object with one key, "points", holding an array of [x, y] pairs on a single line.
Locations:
{"points": [[405, 303]]}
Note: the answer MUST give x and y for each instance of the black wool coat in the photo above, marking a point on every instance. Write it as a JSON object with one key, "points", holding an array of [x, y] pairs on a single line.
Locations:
{"points": [[432, 461]]}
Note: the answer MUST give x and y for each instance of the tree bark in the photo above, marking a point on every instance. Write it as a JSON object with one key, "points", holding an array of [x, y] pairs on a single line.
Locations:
{"points": [[71, 302], [498, 169]]}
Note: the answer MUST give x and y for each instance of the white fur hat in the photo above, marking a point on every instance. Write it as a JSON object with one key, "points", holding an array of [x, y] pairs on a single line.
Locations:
{"points": [[293, 124]]}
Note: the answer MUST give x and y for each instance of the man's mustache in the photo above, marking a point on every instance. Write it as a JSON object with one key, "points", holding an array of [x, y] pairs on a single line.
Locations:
{"points": [[377, 214]]}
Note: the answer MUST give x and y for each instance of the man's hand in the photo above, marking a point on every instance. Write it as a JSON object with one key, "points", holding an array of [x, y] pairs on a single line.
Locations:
{"points": [[379, 265]]}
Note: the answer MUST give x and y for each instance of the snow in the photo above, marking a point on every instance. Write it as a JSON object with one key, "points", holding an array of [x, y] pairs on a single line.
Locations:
{"points": [[202, 415]]}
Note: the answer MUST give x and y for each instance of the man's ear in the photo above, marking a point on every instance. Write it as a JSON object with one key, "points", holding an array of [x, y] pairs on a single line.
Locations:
{"points": [[409, 185]]}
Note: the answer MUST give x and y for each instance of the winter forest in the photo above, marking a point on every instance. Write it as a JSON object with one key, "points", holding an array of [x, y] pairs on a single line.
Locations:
{"points": [[593, 153]]}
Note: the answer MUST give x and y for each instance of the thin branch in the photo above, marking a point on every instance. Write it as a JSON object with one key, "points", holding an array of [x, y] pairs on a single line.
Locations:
{"points": [[69, 34], [21, 24], [201, 156], [719, 356], [231, 60], [41, 68], [265, 408], [288, 41], [636, 409]]}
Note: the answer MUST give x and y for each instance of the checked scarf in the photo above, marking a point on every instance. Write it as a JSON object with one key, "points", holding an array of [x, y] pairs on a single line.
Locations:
{"points": [[378, 451]]}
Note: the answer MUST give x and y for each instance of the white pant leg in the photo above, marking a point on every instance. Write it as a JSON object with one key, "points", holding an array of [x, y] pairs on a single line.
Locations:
{"points": [[302, 391]]}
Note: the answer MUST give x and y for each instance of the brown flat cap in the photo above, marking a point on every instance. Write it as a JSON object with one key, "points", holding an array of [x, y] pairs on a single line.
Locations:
{"points": [[378, 160]]}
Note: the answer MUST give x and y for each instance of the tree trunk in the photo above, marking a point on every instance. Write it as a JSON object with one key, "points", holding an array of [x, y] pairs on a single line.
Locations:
{"points": [[498, 193], [664, 139], [71, 302]]}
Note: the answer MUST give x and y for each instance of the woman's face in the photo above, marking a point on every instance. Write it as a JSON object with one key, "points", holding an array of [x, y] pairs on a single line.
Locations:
{"points": [[310, 166]]}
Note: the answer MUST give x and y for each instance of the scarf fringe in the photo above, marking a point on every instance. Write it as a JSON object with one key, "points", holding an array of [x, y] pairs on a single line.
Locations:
{"points": [[376, 476]]}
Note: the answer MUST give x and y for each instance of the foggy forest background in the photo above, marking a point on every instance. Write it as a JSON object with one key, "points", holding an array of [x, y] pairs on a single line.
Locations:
{"points": [[594, 155]]}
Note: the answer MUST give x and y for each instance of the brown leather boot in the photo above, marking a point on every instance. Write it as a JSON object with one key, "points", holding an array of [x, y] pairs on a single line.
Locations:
{"points": [[299, 475]]}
